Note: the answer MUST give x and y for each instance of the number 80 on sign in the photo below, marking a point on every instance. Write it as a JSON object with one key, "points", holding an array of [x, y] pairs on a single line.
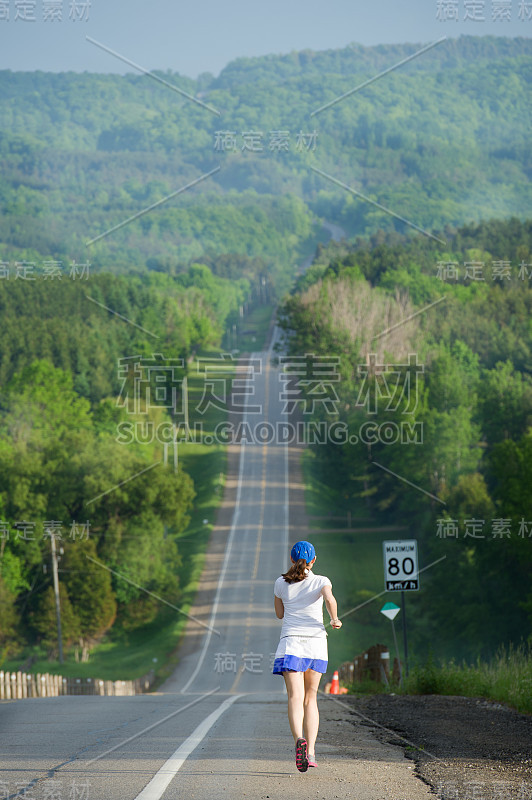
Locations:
{"points": [[400, 566]]}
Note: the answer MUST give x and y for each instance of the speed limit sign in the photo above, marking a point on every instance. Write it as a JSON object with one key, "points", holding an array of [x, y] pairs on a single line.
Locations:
{"points": [[400, 566]]}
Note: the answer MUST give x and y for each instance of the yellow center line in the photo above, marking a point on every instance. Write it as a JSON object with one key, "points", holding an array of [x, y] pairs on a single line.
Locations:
{"points": [[259, 535]]}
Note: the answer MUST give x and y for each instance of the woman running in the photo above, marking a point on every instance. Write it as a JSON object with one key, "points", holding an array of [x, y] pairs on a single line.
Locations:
{"points": [[301, 657]]}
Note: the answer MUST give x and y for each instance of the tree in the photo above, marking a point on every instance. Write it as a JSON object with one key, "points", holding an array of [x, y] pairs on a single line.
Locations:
{"points": [[10, 639], [90, 591], [44, 619], [41, 398], [505, 403]]}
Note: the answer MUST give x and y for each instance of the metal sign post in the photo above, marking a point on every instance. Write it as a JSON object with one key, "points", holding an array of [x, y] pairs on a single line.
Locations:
{"points": [[405, 642], [390, 610], [401, 574]]}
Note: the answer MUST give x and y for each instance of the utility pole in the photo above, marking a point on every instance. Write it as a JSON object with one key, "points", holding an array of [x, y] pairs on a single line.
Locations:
{"points": [[184, 391], [56, 591]]}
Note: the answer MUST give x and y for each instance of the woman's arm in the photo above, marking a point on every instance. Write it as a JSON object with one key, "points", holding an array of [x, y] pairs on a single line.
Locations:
{"points": [[332, 606], [279, 607]]}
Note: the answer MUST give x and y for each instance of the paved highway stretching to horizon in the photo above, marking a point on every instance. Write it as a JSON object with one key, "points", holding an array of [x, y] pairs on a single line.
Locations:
{"points": [[218, 727]]}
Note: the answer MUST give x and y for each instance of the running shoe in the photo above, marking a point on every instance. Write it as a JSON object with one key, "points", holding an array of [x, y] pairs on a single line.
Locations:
{"points": [[301, 755], [312, 761]]}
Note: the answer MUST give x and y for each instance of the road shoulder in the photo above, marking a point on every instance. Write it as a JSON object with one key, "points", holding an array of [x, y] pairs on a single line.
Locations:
{"points": [[465, 748]]}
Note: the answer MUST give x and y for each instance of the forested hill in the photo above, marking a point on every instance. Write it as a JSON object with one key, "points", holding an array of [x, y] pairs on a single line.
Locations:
{"points": [[355, 59], [439, 414], [441, 140], [189, 211]]}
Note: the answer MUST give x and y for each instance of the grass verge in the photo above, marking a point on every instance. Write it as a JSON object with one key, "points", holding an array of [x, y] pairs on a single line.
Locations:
{"points": [[506, 678], [253, 332]]}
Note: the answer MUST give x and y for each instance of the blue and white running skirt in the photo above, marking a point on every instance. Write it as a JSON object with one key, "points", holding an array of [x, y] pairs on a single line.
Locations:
{"points": [[299, 653]]}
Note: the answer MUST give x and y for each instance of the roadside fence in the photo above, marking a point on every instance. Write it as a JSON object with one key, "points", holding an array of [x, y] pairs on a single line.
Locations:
{"points": [[18, 685], [373, 664]]}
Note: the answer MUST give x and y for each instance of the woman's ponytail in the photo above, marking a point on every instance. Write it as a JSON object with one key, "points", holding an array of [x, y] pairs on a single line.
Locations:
{"points": [[297, 572]]}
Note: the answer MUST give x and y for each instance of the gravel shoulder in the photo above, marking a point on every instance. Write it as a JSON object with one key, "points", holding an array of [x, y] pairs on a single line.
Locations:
{"points": [[463, 748]]}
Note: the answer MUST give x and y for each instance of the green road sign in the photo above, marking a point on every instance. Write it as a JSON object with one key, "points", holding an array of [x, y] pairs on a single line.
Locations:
{"points": [[390, 610]]}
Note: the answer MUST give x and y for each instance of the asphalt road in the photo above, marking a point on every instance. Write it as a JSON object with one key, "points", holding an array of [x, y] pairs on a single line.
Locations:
{"points": [[218, 728]]}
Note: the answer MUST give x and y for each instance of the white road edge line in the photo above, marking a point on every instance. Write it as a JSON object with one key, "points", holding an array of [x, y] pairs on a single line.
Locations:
{"points": [[286, 520], [160, 781], [236, 515]]}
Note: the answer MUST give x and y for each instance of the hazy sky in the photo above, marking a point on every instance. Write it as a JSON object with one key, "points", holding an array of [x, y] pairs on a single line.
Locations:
{"points": [[204, 35]]}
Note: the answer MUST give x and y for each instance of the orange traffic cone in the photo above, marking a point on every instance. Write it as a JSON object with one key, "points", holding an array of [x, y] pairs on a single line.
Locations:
{"points": [[335, 684]]}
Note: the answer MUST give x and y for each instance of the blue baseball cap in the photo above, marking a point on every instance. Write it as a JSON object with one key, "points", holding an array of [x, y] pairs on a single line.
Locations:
{"points": [[303, 550]]}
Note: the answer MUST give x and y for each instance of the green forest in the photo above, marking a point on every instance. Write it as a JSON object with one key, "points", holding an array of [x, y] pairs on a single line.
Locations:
{"points": [[448, 395], [66, 388], [135, 221], [441, 141]]}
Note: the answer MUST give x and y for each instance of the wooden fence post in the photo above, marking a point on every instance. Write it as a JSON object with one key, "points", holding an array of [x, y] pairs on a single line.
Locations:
{"points": [[396, 670], [18, 685]]}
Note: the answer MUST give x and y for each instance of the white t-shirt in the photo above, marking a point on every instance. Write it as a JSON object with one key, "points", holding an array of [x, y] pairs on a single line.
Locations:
{"points": [[303, 605]]}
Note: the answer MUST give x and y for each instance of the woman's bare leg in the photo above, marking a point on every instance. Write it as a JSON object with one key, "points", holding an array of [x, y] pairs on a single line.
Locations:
{"points": [[295, 689], [311, 715]]}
